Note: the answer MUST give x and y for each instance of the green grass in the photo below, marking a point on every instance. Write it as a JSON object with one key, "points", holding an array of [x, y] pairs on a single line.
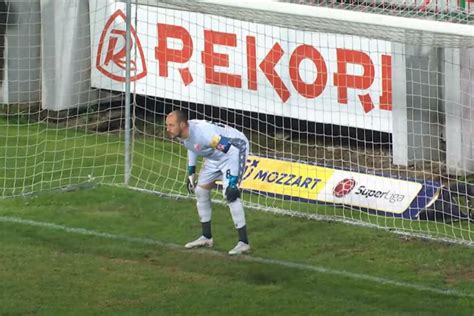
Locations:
{"points": [[49, 272], [38, 157]]}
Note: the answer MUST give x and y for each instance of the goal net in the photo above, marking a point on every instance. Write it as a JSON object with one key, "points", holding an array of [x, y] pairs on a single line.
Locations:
{"points": [[356, 111]]}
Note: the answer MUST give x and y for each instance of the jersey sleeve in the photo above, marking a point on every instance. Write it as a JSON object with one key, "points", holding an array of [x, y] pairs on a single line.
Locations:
{"points": [[211, 136], [220, 143], [192, 158]]}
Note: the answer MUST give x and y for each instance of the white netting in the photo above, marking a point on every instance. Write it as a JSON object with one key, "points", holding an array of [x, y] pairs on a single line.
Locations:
{"points": [[363, 120], [282, 80], [55, 131]]}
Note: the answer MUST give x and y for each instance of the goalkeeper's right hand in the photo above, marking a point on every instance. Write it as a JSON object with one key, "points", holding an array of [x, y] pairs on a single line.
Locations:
{"points": [[191, 180], [191, 183]]}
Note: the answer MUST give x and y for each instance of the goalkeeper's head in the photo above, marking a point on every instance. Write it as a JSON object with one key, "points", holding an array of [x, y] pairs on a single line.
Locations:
{"points": [[177, 125]]}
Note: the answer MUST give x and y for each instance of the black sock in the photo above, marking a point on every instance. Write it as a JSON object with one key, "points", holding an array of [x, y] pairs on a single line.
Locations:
{"points": [[206, 230], [243, 234]]}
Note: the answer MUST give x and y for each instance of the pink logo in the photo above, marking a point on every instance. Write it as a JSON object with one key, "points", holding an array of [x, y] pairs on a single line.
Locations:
{"points": [[197, 147], [343, 188], [114, 40]]}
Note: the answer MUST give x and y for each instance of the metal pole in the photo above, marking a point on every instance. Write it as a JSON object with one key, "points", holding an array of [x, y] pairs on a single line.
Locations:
{"points": [[127, 90]]}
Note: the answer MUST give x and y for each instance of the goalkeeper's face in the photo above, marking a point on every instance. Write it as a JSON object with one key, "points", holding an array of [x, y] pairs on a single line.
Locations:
{"points": [[174, 127]]}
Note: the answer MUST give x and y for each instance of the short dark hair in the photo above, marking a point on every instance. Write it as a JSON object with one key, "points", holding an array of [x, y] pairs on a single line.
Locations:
{"points": [[181, 115]]}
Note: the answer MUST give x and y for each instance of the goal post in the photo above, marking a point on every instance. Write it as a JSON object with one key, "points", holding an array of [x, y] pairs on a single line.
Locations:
{"points": [[430, 29], [376, 93]]}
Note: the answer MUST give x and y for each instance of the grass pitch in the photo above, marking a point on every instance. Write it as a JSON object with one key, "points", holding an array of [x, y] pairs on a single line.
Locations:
{"points": [[113, 251], [127, 260]]}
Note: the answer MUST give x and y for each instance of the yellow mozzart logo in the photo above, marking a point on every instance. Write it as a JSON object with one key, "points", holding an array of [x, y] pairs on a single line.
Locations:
{"points": [[284, 177]]}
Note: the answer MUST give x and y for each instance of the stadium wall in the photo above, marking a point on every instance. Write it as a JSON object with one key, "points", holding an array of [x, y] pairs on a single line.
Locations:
{"points": [[21, 84]]}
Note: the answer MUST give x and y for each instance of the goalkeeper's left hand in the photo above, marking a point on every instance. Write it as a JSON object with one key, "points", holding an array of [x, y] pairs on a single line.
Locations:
{"points": [[232, 192]]}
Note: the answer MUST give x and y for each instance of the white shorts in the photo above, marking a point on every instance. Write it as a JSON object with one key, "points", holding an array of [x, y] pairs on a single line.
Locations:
{"points": [[213, 170]]}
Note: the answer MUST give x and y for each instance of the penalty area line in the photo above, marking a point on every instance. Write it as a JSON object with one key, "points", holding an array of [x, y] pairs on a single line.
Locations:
{"points": [[248, 258]]}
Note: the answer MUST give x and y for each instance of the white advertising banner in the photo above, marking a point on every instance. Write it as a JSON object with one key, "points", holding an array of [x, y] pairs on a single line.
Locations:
{"points": [[296, 180], [320, 77], [312, 183], [369, 191]]}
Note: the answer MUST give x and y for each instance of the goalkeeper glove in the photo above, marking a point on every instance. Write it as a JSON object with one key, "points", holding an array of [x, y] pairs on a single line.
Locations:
{"points": [[191, 180], [232, 192]]}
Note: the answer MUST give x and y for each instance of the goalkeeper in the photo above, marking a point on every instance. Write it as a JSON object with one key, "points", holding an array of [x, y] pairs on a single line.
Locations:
{"points": [[225, 151]]}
